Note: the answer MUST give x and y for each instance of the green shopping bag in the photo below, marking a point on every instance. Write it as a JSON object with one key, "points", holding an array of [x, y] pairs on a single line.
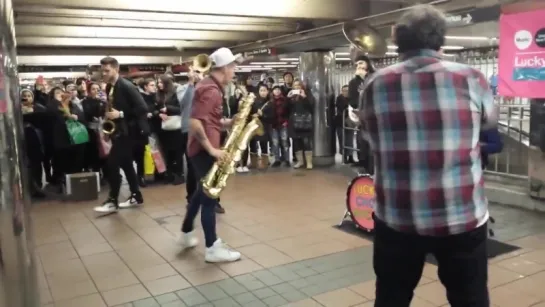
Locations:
{"points": [[77, 131]]}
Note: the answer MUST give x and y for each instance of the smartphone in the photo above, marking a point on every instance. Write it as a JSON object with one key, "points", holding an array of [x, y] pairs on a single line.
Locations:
{"points": [[296, 92]]}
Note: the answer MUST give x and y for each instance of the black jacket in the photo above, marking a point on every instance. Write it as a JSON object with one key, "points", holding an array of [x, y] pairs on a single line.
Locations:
{"points": [[127, 98], [298, 104], [354, 87], [93, 108], [171, 139], [61, 138], [341, 105]]}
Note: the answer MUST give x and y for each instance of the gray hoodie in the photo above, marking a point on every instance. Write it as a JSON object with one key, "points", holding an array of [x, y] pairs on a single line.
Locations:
{"points": [[185, 97]]}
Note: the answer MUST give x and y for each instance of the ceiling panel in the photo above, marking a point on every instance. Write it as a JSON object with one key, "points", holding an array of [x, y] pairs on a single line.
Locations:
{"points": [[32, 19], [299, 9]]}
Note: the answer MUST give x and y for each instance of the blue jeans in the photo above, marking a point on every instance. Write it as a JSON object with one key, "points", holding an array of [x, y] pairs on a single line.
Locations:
{"points": [[280, 143], [202, 163]]}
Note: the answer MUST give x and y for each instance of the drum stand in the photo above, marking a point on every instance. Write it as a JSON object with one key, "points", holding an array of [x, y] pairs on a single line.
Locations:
{"points": [[346, 214]]}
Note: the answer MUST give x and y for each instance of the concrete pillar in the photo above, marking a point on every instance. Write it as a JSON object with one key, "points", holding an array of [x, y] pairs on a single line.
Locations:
{"points": [[18, 281], [316, 69]]}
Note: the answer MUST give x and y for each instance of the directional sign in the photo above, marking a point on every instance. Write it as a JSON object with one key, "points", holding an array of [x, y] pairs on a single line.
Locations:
{"points": [[478, 15]]}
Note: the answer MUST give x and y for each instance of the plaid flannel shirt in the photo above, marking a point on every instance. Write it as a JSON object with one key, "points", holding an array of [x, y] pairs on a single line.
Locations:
{"points": [[423, 117]]}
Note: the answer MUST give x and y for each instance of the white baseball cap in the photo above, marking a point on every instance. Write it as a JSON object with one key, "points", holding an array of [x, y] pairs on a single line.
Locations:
{"points": [[223, 57]]}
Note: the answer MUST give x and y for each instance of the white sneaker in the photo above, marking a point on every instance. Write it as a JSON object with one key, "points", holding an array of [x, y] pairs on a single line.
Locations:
{"points": [[245, 169], [107, 207], [219, 252], [187, 240], [132, 201], [299, 164], [240, 169]]}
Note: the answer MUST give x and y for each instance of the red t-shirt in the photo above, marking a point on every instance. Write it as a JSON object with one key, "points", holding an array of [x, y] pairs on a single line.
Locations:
{"points": [[208, 108]]}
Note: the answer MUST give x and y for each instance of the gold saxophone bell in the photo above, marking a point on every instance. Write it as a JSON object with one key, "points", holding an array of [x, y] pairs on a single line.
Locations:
{"points": [[201, 63], [108, 127]]}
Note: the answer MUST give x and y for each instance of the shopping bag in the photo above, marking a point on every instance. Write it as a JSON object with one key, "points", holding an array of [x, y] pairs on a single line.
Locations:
{"points": [[104, 145], [77, 131], [159, 162], [149, 166]]}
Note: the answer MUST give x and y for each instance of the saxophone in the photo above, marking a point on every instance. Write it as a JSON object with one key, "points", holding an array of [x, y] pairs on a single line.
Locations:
{"points": [[236, 143]]}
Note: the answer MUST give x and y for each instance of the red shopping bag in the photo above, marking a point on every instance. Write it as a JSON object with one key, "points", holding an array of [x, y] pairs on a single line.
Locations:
{"points": [[158, 161]]}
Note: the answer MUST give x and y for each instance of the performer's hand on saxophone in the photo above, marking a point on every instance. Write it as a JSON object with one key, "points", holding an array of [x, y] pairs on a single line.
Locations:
{"points": [[112, 114]]}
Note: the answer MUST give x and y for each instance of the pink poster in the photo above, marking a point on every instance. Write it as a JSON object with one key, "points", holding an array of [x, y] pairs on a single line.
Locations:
{"points": [[522, 55]]}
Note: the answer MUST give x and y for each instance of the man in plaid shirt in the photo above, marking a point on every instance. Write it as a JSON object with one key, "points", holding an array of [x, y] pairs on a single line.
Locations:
{"points": [[423, 117]]}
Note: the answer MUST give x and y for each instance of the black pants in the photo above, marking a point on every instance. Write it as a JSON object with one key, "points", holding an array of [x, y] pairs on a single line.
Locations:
{"points": [[365, 155], [69, 160], [262, 145], [303, 143], [120, 158], [36, 171], [138, 156], [201, 163], [173, 152], [190, 180], [399, 259]]}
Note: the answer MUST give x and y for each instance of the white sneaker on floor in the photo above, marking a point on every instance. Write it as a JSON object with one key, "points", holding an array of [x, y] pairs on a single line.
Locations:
{"points": [[219, 252], [187, 240], [245, 169], [132, 201], [107, 207], [240, 169]]}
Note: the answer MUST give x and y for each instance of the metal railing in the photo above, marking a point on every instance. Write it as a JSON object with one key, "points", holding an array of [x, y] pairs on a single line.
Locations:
{"points": [[514, 121]]}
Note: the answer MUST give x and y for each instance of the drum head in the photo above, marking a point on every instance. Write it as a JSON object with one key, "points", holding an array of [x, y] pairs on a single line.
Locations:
{"points": [[360, 201]]}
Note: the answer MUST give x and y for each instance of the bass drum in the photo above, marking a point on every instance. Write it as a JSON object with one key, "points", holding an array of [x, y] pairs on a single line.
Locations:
{"points": [[360, 201]]}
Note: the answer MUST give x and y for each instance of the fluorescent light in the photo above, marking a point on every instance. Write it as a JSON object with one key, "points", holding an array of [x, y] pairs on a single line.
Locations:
{"points": [[68, 74], [289, 59], [448, 55], [391, 53], [343, 59], [469, 38], [113, 42], [282, 66], [393, 47], [268, 63], [66, 60], [342, 53]]}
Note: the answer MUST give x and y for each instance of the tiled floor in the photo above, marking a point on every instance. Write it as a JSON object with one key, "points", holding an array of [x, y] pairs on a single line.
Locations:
{"points": [[282, 224]]}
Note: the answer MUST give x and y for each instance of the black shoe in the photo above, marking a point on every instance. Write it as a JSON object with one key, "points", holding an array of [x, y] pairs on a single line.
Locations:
{"points": [[38, 194], [178, 180], [142, 182], [276, 164], [219, 209]]}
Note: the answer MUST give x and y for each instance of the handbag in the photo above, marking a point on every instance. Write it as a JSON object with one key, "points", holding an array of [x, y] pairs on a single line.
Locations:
{"points": [[302, 122], [77, 132], [149, 165], [173, 122], [104, 145]]}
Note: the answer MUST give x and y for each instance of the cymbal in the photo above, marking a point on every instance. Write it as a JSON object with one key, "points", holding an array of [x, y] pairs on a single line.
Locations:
{"points": [[365, 38]]}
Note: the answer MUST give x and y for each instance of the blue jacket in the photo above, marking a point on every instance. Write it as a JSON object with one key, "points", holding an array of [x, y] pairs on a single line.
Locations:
{"points": [[185, 97], [491, 143]]}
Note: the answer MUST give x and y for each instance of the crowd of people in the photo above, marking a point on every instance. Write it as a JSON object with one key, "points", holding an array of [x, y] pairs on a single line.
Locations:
{"points": [[285, 110], [427, 120]]}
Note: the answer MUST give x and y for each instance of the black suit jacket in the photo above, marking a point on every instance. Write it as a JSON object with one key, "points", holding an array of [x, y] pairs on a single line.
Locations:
{"points": [[127, 98]]}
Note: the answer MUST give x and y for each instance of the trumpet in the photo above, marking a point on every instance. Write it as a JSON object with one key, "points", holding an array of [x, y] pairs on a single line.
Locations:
{"points": [[108, 126]]}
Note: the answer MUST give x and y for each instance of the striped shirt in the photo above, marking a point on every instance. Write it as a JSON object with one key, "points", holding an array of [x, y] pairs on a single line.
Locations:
{"points": [[423, 117]]}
